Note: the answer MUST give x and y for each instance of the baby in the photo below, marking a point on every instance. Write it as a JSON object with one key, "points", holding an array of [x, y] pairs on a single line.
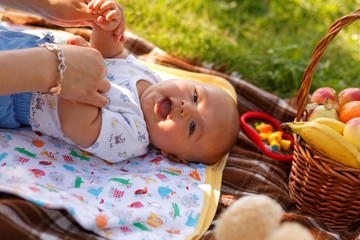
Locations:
{"points": [[188, 121]]}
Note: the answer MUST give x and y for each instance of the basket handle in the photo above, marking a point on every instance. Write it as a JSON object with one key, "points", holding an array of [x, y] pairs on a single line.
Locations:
{"points": [[316, 56]]}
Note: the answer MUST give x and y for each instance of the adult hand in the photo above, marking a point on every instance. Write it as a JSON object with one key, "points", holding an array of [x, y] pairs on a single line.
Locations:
{"points": [[59, 12], [66, 13], [73, 13], [84, 76], [69, 13]]}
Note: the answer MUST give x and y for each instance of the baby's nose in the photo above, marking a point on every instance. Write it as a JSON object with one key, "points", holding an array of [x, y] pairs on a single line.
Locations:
{"points": [[186, 108]]}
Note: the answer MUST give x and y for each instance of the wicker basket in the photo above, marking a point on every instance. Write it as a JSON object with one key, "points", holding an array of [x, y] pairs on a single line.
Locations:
{"points": [[322, 188]]}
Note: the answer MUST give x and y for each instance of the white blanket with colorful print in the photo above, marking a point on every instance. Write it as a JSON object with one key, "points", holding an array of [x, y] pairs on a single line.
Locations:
{"points": [[148, 197]]}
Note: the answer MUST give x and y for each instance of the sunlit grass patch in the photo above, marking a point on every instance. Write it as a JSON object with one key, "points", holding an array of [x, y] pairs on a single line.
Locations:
{"points": [[269, 43]]}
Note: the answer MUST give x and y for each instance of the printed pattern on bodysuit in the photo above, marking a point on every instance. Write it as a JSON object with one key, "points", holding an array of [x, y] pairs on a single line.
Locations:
{"points": [[123, 131]]}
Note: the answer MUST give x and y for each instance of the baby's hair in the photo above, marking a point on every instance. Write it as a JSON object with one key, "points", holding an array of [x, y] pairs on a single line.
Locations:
{"points": [[231, 130]]}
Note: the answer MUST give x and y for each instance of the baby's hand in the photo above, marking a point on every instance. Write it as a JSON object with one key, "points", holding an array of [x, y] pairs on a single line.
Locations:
{"points": [[111, 17], [78, 41]]}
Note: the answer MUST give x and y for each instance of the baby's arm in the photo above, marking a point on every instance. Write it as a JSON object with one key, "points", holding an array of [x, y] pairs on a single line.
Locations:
{"points": [[109, 23], [82, 122]]}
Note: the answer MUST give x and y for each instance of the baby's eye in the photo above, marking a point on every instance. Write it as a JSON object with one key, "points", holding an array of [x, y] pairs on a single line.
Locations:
{"points": [[195, 96], [192, 127]]}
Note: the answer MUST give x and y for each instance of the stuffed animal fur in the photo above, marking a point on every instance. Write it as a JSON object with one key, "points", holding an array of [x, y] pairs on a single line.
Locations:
{"points": [[257, 218]]}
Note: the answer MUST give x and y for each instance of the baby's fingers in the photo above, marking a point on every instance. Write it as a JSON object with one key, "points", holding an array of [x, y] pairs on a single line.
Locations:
{"points": [[101, 20], [108, 16], [95, 5], [91, 5], [77, 40], [112, 15], [107, 5]]}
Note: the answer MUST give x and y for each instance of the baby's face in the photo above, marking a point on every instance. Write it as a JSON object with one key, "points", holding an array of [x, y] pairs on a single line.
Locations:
{"points": [[188, 119]]}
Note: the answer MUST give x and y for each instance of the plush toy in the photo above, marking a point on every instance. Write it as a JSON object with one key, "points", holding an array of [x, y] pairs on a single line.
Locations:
{"points": [[257, 218]]}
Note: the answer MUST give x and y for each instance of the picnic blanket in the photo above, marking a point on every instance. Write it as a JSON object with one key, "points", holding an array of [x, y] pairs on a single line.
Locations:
{"points": [[145, 197], [247, 171]]}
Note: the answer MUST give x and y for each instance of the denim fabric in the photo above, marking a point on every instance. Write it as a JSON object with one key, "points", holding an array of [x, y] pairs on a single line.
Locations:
{"points": [[18, 40], [15, 108]]}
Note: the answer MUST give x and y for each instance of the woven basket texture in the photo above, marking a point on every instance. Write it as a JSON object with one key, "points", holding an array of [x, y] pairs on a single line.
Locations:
{"points": [[321, 187]]}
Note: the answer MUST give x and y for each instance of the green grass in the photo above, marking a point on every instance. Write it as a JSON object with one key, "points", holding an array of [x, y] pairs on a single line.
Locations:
{"points": [[267, 42]]}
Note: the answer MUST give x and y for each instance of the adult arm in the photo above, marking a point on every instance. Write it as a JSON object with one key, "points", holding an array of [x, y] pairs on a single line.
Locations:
{"points": [[66, 13], [59, 12], [35, 69]]}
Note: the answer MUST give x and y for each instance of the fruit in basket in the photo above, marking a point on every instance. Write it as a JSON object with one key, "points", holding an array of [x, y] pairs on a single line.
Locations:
{"points": [[317, 111], [325, 96], [326, 141], [349, 110], [348, 95], [352, 131], [332, 123]]}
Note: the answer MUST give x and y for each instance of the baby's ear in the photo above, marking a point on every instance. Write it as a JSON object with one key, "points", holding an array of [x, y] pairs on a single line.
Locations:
{"points": [[174, 157]]}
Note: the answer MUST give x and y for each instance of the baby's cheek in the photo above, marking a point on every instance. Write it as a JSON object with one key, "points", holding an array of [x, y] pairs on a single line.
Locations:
{"points": [[167, 126], [164, 134]]}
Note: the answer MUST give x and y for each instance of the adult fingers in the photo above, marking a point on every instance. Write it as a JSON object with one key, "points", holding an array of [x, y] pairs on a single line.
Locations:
{"points": [[98, 100], [84, 77], [96, 5], [91, 5], [120, 30], [104, 86], [94, 95]]}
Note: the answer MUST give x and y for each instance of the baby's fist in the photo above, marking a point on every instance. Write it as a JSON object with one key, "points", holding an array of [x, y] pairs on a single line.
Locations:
{"points": [[110, 14]]}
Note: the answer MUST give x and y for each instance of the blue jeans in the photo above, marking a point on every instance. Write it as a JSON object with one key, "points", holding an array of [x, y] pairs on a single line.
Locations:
{"points": [[18, 40], [15, 108]]}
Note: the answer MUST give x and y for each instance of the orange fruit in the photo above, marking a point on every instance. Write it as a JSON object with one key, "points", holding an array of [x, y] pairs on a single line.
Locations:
{"points": [[349, 111]]}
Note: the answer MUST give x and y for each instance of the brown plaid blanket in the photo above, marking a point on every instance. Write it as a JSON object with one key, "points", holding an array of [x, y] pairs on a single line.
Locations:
{"points": [[247, 170]]}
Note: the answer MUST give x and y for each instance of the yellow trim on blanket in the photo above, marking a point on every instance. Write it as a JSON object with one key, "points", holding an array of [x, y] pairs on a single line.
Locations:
{"points": [[211, 200], [213, 173]]}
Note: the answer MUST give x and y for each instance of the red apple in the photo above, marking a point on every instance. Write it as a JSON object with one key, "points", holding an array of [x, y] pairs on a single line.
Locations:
{"points": [[348, 95], [352, 131], [325, 96]]}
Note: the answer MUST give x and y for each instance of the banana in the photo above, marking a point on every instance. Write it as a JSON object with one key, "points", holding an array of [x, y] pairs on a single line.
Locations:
{"points": [[331, 122], [326, 140]]}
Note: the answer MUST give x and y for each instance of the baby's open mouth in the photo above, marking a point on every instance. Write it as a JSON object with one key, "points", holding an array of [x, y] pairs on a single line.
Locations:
{"points": [[164, 107]]}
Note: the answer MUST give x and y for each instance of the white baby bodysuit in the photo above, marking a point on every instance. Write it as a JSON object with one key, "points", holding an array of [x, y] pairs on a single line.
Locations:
{"points": [[123, 131]]}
